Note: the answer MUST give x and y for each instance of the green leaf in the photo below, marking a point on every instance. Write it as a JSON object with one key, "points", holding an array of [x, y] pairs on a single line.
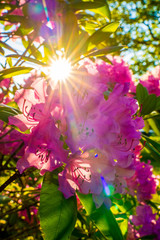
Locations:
{"points": [[152, 151], [27, 59], [4, 199], [153, 124], [1, 51], [9, 61], [70, 34], [5, 45], [141, 93], [48, 52], [158, 104], [105, 51], [13, 18], [7, 6], [57, 214], [82, 5], [101, 35], [102, 217], [7, 111], [14, 71], [103, 11], [149, 104], [24, 30], [124, 226], [155, 144]]}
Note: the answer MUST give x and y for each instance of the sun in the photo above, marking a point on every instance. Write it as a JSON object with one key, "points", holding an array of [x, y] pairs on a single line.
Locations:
{"points": [[60, 69]]}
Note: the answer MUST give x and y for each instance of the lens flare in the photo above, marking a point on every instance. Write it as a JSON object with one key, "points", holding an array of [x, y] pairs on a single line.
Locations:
{"points": [[108, 189], [60, 70]]}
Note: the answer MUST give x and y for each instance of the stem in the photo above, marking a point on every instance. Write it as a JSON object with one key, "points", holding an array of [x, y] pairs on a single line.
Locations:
{"points": [[6, 133], [11, 179], [13, 154], [24, 53], [23, 232]]}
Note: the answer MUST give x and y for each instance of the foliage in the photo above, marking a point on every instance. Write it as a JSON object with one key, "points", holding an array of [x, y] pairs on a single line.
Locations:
{"points": [[139, 30]]}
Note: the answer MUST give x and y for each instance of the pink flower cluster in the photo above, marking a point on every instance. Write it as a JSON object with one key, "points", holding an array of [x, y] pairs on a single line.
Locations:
{"points": [[100, 134], [110, 74], [146, 222], [142, 183], [40, 113], [151, 80]]}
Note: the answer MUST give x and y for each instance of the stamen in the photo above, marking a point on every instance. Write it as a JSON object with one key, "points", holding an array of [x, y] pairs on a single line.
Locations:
{"points": [[43, 154]]}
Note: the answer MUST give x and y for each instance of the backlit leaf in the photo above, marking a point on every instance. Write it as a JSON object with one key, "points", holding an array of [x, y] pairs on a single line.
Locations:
{"points": [[101, 35], [102, 217], [14, 71], [141, 93], [57, 214], [7, 111], [149, 104]]}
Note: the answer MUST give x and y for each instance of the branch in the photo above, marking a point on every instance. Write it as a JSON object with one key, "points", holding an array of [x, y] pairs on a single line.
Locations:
{"points": [[150, 30], [11, 179], [13, 154]]}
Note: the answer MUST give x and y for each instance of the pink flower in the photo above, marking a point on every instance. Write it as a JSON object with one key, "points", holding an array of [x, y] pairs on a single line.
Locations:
{"points": [[151, 80], [43, 149], [31, 103], [24, 214], [117, 72], [35, 105], [157, 229], [10, 139], [142, 183], [79, 175], [5, 83], [146, 219], [91, 172], [104, 127]]}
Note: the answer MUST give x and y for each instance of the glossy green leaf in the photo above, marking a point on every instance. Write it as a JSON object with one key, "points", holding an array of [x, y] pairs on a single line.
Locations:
{"points": [[7, 111], [149, 104], [57, 214], [141, 93], [103, 11], [14, 71], [102, 217], [101, 35], [155, 144], [124, 225], [153, 153]]}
